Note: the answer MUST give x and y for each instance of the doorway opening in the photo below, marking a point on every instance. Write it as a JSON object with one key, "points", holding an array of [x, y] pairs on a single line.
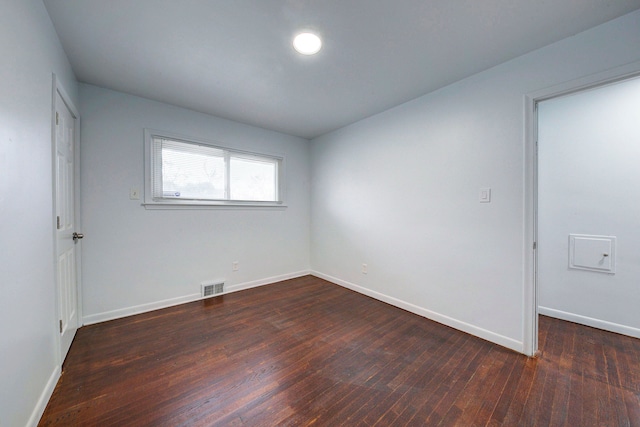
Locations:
{"points": [[537, 254]]}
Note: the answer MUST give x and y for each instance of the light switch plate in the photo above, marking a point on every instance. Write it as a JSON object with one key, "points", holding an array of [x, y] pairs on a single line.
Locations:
{"points": [[134, 194], [485, 195]]}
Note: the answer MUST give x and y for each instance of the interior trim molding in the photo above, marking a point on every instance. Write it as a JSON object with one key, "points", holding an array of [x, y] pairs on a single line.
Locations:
{"points": [[43, 400], [590, 321], [157, 305], [429, 314], [267, 281]]}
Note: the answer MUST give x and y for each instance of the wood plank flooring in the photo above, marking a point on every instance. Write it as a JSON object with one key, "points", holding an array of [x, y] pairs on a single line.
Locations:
{"points": [[307, 352]]}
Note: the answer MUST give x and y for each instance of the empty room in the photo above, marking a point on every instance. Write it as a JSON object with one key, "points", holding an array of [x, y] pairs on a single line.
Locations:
{"points": [[297, 212]]}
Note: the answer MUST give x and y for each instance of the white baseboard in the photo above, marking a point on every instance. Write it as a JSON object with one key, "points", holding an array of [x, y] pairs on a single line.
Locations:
{"points": [[429, 314], [157, 305], [34, 419], [138, 309], [267, 281], [589, 321]]}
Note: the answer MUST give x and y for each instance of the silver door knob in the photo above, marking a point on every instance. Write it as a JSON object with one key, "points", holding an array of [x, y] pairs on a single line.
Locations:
{"points": [[77, 236]]}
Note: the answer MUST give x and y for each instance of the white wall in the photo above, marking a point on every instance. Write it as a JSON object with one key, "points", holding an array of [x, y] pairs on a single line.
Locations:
{"points": [[399, 191], [589, 152], [136, 259], [28, 355]]}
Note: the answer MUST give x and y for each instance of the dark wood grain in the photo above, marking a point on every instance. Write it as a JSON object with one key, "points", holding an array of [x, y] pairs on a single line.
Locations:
{"points": [[307, 352]]}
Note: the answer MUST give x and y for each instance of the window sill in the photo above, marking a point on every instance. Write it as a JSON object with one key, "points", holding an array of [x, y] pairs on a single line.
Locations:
{"points": [[225, 205]]}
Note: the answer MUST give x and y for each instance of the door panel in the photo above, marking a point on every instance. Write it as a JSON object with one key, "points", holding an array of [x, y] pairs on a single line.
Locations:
{"points": [[66, 246]]}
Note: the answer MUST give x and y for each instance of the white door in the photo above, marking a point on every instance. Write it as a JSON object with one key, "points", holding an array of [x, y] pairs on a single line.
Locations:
{"points": [[66, 245]]}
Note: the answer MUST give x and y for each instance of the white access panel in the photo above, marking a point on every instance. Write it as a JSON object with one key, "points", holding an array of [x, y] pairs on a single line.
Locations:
{"points": [[593, 253]]}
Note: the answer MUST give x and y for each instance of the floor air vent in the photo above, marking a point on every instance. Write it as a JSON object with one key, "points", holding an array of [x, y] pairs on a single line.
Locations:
{"points": [[210, 289]]}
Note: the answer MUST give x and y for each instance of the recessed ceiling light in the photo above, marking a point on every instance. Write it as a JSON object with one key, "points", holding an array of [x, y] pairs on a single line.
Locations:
{"points": [[307, 43]]}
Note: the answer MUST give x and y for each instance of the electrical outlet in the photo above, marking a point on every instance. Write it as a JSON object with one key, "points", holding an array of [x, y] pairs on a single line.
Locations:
{"points": [[235, 266], [364, 268], [134, 194]]}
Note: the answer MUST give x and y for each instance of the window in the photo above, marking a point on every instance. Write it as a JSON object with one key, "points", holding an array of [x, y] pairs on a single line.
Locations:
{"points": [[186, 172]]}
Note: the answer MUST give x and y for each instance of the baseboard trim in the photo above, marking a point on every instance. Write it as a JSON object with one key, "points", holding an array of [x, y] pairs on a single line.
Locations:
{"points": [[589, 321], [34, 419], [157, 305], [138, 309], [429, 314], [267, 281]]}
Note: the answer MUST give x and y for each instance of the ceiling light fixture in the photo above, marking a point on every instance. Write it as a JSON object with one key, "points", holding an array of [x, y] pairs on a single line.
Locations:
{"points": [[307, 43]]}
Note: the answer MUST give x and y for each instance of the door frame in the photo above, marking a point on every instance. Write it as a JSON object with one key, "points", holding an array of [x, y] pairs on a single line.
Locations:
{"points": [[57, 88], [530, 257]]}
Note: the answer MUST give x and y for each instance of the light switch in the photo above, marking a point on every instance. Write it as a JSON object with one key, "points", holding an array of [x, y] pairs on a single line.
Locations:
{"points": [[485, 195], [134, 194]]}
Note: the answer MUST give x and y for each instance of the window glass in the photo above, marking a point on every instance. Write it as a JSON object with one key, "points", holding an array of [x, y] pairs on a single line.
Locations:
{"points": [[192, 175], [253, 179], [183, 172]]}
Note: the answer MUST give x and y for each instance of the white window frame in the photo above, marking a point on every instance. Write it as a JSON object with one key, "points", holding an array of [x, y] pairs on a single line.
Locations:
{"points": [[151, 202]]}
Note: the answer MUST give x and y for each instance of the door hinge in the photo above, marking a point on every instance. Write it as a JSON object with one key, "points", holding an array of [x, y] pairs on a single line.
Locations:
{"points": [[535, 245], [60, 325], [57, 118], [58, 222]]}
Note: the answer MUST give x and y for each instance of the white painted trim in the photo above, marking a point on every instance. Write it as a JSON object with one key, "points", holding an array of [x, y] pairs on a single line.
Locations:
{"points": [[429, 314], [157, 305], [34, 419], [592, 81], [529, 255], [530, 286], [138, 309], [54, 227], [267, 281], [221, 206], [589, 321]]}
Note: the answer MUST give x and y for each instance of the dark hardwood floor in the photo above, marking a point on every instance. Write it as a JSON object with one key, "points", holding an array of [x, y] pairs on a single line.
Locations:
{"points": [[307, 352]]}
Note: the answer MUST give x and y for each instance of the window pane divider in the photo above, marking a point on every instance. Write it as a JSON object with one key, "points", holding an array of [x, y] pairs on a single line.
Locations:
{"points": [[227, 177]]}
